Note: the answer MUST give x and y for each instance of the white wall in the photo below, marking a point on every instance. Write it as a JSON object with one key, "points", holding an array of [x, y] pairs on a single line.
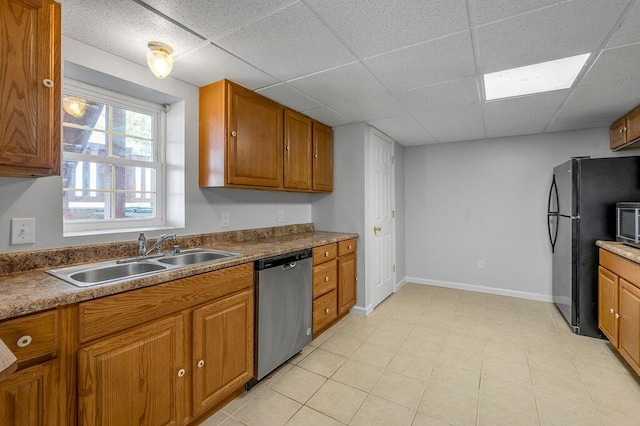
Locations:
{"points": [[42, 198], [487, 200]]}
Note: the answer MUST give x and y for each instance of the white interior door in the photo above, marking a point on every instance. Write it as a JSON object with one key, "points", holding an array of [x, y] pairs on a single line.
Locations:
{"points": [[380, 256]]}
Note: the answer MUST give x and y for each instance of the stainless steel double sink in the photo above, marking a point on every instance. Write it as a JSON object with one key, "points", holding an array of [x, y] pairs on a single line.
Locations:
{"points": [[114, 271]]}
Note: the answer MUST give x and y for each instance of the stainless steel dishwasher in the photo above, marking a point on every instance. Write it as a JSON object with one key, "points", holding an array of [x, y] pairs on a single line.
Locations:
{"points": [[283, 309]]}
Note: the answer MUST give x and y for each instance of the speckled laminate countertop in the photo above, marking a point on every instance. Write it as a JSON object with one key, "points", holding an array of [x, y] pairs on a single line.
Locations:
{"points": [[620, 249], [32, 291]]}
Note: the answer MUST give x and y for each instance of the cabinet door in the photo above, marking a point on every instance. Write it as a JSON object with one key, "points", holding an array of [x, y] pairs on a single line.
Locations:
{"points": [[322, 158], [29, 397], [222, 349], [29, 88], [607, 304], [254, 155], [633, 125], [346, 282], [618, 133], [134, 378], [629, 323], [297, 151]]}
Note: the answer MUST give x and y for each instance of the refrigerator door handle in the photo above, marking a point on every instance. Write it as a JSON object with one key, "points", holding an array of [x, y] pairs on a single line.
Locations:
{"points": [[553, 189], [554, 238]]}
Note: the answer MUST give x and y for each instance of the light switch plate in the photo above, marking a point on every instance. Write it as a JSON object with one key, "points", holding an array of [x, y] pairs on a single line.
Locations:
{"points": [[23, 231], [225, 220]]}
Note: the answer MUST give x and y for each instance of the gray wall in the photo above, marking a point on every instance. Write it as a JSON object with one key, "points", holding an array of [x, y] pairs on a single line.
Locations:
{"points": [[401, 244], [487, 200], [202, 208]]}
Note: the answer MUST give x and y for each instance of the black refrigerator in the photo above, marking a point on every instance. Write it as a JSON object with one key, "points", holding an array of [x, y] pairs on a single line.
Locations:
{"points": [[582, 210]]}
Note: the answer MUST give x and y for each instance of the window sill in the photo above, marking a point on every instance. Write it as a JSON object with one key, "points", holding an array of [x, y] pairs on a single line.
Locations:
{"points": [[117, 231]]}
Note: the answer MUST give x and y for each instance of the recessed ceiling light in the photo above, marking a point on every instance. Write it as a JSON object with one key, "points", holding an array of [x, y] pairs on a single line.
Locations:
{"points": [[536, 78]]}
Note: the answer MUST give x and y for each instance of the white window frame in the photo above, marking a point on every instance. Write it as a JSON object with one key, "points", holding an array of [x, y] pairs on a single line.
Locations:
{"points": [[98, 226]]}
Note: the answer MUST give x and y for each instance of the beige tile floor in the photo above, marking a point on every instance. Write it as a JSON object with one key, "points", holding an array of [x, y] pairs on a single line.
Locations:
{"points": [[435, 356]]}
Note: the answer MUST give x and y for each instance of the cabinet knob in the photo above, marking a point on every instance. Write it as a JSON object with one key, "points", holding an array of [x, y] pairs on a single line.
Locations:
{"points": [[326, 279], [181, 372], [234, 133], [617, 315], [349, 246], [326, 254], [287, 147], [201, 363], [24, 341], [326, 311], [47, 83], [315, 155], [611, 310]]}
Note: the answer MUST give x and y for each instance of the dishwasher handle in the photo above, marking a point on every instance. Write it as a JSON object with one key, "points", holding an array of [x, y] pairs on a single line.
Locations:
{"points": [[288, 266]]}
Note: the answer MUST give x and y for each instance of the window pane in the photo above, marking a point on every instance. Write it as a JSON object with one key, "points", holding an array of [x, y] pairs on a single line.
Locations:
{"points": [[132, 123], [135, 205], [85, 175], [139, 179], [85, 205], [133, 148], [84, 112], [84, 141]]}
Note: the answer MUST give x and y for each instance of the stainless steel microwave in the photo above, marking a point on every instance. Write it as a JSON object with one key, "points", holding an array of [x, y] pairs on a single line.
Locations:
{"points": [[628, 223]]}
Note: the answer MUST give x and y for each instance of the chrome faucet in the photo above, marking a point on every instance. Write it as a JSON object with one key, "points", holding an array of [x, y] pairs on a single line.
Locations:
{"points": [[158, 244]]}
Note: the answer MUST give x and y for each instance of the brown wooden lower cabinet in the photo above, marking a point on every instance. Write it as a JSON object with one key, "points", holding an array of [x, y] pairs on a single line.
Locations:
{"points": [[619, 305], [29, 397]]}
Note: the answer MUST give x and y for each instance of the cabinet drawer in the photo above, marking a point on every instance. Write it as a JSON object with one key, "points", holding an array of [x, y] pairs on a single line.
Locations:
{"points": [[31, 337], [107, 315], [620, 266], [325, 278], [324, 310], [347, 247], [324, 253]]}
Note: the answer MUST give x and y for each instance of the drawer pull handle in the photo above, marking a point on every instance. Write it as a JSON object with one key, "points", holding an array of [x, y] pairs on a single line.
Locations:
{"points": [[24, 341], [349, 246], [201, 363], [326, 254], [181, 372], [326, 311], [326, 279]]}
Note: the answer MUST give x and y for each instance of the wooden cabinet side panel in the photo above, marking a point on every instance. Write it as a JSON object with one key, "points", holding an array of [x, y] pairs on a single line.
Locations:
{"points": [[212, 134], [297, 151], [30, 117], [132, 378], [608, 304], [322, 158], [106, 315], [346, 282], [223, 347], [255, 142], [629, 327]]}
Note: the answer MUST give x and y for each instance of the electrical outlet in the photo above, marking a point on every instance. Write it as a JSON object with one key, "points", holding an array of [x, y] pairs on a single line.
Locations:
{"points": [[225, 220], [481, 264], [280, 216], [23, 231]]}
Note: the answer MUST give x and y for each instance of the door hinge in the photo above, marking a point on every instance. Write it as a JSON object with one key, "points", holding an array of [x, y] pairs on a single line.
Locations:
{"points": [[393, 214], [394, 268]]}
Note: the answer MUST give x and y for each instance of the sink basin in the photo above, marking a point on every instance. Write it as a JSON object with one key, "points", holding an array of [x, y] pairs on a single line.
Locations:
{"points": [[111, 271], [195, 257]]}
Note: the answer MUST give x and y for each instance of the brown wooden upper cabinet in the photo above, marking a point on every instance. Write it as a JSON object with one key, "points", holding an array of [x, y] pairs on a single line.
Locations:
{"points": [[30, 88], [625, 131], [249, 141]]}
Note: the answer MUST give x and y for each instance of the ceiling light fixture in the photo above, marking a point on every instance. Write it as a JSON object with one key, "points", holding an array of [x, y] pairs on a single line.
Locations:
{"points": [[537, 78], [74, 106], [159, 59]]}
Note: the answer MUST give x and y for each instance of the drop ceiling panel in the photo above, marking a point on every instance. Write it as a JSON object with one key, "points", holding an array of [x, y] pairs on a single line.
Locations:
{"points": [[210, 63], [443, 95], [288, 44], [327, 116], [629, 31], [216, 18], [454, 124], [521, 116], [123, 28], [428, 63], [405, 129], [339, 85], [381, 106], [567, 29], [493, 10], [289, 97], [373, 27], [614, 65]]}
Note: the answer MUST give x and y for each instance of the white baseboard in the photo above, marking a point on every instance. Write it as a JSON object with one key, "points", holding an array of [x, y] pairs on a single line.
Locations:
{"points": [[359, 310], [400, 284], [481, 289]]}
